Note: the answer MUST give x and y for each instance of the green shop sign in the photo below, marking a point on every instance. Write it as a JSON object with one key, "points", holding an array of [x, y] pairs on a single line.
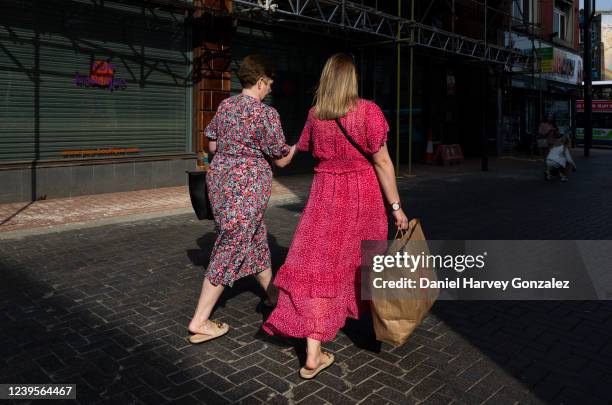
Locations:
{"points": [[561, 65], [602, 134]]}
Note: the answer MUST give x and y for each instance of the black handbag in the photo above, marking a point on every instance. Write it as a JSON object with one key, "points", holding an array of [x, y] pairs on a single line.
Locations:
{"points": [[352, 142], [198, 192]]}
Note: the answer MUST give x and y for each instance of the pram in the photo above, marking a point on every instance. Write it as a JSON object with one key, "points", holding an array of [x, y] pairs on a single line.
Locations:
{"points": [[558, 159], [552, 172]]}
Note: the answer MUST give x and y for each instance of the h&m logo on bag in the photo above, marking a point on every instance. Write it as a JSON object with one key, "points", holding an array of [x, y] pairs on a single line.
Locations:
{"points": [[102, 75]]}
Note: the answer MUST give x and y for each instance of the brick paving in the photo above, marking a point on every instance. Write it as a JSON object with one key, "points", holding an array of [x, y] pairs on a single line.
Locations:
{"points": [[106, 307], [49, 213], [57, 212]]}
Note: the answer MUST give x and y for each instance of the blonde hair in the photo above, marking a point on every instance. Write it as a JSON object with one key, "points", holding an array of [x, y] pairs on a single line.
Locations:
{"points": [[337, 91]]}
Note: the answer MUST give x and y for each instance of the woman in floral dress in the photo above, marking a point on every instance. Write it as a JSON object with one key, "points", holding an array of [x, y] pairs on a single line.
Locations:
{"points": [[318, 283], [244, 135]]}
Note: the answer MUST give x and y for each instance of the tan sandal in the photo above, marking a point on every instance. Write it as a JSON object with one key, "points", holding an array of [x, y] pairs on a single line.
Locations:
{"points": [[309, 374], [221, 329]]}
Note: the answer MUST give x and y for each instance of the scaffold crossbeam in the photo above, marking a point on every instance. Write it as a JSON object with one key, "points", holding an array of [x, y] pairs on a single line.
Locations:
{"points": [[345, 15], [338, 13]]}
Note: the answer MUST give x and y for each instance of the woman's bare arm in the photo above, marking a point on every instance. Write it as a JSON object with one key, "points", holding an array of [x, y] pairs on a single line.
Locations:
{"points": [[386, 176], [282, 162]]}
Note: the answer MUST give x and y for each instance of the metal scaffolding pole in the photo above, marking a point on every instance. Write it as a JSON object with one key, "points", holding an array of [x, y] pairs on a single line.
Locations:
{"points": [[536, 53], [589, 13], [411, 103], [398, 90], [484, 161]]}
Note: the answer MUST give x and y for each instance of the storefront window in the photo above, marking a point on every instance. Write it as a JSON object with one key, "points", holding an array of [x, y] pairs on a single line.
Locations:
{"points": [[563, 114]]}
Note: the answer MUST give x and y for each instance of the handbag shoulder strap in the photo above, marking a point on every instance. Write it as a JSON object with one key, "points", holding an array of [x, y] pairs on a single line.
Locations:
{"points": [[352, 142]]}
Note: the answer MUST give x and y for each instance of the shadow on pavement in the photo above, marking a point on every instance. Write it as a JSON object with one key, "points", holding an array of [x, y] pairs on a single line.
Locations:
{"points": [[19, 211], [201, 257], [67, 335], [559, 350]]}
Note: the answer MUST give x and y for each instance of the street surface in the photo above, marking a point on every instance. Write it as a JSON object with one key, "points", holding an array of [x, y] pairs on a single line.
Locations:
{"points": [[106, 307]]}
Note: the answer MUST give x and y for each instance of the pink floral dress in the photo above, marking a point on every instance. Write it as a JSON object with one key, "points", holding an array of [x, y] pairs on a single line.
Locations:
{"points": [[319, 281], [248, 133]]}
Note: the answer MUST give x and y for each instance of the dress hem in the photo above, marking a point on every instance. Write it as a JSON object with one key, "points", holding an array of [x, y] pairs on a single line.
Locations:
{"points": [[231, 283]]}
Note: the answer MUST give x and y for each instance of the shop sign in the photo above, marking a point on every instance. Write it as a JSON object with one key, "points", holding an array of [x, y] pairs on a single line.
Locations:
{"points": [[561, 66], [102, 75], [557, 64], [547, 59], [599, 134], [599, 106]]}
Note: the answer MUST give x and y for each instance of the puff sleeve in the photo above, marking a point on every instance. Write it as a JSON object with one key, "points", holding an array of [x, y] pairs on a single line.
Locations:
{"points": [[376, 128], [272, 140], [212, 128], [305, 142]]}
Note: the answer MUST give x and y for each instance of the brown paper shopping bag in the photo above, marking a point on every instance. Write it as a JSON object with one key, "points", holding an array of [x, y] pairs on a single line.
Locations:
{"points": [[396, 314]]}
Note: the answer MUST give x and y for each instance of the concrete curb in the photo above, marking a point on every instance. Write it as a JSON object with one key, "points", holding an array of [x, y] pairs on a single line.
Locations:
{"points": [[405, 182], [23, 233]]}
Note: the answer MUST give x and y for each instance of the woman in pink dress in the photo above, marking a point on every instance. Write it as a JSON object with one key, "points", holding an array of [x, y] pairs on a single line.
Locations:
{"points": [[318, 283]]}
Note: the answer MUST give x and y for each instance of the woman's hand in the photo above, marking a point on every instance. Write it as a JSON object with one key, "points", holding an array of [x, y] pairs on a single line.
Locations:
{"points": [[212, 146], [287, 159], [401, 220]]}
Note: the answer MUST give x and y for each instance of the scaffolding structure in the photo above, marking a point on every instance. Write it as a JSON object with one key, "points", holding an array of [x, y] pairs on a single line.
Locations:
{"points": [[368, 20], [347, 15]]}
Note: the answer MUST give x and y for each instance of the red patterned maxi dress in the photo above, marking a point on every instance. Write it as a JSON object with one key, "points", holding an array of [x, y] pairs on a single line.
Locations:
{"points": [[247, 133], [318, 282]]}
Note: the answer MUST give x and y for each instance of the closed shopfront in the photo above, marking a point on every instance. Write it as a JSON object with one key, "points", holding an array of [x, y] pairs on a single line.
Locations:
{"points": [[94, 97]]}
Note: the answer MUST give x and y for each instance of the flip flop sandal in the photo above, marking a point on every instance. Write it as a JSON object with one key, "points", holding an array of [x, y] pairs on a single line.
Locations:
{"points": [[222, 329], [309, 374]]}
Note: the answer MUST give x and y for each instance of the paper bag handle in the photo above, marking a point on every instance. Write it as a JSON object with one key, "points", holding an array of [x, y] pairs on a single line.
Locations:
{"points": [[402, 232]]}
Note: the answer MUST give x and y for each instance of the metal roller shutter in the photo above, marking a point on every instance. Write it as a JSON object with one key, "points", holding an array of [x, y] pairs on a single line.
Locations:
{"points": [[46, 46]]}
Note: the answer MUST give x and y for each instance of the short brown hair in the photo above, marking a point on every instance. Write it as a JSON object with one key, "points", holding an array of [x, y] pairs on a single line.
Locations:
{"points": [[253, 68]]}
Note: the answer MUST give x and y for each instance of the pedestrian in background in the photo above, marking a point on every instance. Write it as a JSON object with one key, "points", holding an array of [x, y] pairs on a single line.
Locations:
{"points": [[548, 133], [560, 158], [245, 135], [319, 281]]}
